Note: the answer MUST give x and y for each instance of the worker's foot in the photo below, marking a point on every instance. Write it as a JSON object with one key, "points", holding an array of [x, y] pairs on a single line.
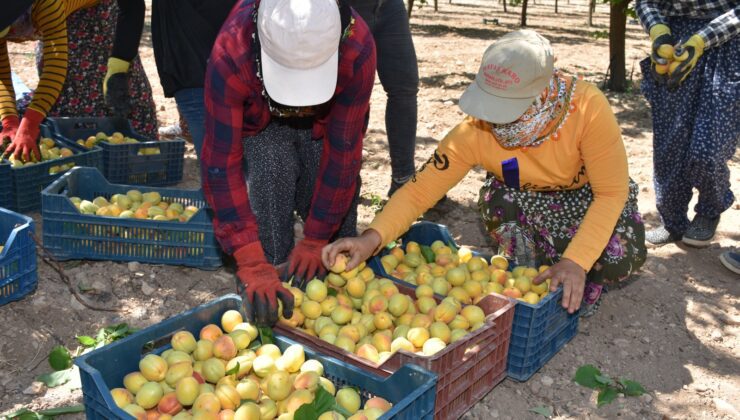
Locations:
{"points": [[731, 260], [701, 231], [661, 236]]}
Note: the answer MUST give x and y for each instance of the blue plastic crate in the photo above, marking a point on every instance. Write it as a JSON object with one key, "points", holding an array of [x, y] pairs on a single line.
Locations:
{"points": [[28, 181], [410, 390], [6, 194], [69, 234], [18, 257], [533, 324], [121, 162]]}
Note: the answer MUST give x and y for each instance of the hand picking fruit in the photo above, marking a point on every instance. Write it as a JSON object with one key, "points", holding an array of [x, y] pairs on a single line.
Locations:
{"points": [[527, 204], [225, 375]]}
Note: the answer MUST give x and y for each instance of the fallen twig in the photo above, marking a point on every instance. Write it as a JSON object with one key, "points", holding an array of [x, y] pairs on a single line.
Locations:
{"points": [[53, 263]]}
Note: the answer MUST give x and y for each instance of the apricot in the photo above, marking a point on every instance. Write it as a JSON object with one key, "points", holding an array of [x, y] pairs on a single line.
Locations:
{"points": [[249, 328], [440, 286], [311, 309], [187, 390], [512, 292], [373, 413], [342, 315], [230, 319], [459, 322], [383, 320], [177, 356], [494, 287], [345, 343], [348, 399], [245, 365], [122, 397], [135, 411], [224, 348], [205, 388], [328, 305], [178, 371], [203, 350], [316, 290], [457, 334], [369, 352], [228, 396], [331, 415], [263, 365], [210, 332], [417, 336], [500, 262], [248, 411], [208, 402], [213, 370], [531, 298], [426, 304], [278, 385], [169, 404], [204, 415], [460, 295], [401, 343], [149, 395], [382, 342], [153, 367], [268, 409], [378, 402], [421, 321], [340, 264], [226, 415], [440, 330]]}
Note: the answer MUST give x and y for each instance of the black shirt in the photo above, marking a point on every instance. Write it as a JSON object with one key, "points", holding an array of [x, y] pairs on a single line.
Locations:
{"points": [[183, 33]]}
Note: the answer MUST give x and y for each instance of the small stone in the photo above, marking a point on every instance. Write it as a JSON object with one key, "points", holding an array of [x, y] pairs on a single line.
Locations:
{"points": [[152, 276], [701, 388], [646, 340], [147, 289], [448, 103], [75, 304], [621, 342], [547, 381], [726, 407], [717, 335], [134, 266], [535, 387], [647, 398], [430, 125], [35, 388]]}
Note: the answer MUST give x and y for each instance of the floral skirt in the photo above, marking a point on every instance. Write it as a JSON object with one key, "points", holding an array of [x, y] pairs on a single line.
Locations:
{"points": [[534, 227]]}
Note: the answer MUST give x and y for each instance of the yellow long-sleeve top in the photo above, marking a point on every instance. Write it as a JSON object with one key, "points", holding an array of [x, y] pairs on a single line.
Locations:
{"points": [[49, 18], [588, 149]]}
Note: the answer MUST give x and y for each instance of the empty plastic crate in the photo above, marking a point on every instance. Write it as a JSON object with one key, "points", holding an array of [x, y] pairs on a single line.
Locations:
{"points": [[410, 390], [69, 234], [121, 162], [18, 275]]}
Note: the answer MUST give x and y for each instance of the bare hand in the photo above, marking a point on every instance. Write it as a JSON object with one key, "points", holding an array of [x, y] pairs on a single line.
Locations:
{"points": [[359, 249], [573, 279]]}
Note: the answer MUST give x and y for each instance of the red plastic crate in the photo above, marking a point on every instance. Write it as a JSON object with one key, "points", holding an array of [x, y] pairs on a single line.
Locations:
{"points": [[467, 369]]}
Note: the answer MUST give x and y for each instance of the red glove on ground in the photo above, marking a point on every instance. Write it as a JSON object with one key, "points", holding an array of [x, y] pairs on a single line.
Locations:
{"points": [[305, 262], [10, 127], [260, 286], [26, 139]]}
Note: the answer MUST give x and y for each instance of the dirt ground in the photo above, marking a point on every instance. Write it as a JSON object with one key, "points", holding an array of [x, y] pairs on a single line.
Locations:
{"points": [[675, 329]]}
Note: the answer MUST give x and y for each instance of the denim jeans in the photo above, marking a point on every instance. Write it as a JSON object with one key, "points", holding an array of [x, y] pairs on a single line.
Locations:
{"points": [[191, 104], [399, 74]]}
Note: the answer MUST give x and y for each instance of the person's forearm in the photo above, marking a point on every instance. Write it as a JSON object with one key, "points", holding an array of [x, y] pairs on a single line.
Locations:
{"points": [[129, 27]]}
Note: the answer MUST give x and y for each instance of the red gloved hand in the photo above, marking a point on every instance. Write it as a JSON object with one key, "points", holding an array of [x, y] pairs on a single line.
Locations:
{"points": [[26, 139], [305, 262], [260, 287], [10, 127]]}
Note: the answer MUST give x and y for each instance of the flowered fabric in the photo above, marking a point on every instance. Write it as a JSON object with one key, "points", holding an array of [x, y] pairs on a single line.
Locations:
{"points": [[542, 119], [91, 32], [533, 228]]}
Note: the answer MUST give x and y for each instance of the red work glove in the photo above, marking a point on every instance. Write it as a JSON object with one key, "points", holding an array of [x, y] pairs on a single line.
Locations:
{"points": [[260, 287], [25, 140], [304, 262], [10, 127]]}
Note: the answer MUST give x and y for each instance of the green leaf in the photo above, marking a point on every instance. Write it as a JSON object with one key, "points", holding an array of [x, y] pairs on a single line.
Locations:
{"points": [[632, 388], [542, 411], [341, 410], [427, 253], [391, 245], [59, 358], [586, 376], [452, 246], [604, 380], [234, 370], [266, 336], [57, 378], [331, 291], [86, 340], [306, 412], [322, 402], [606, 396], [63, 410], [254, 345]]}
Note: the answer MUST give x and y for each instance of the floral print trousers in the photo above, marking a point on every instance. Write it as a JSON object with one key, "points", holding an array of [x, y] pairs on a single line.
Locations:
{"points": [[535, 227]]}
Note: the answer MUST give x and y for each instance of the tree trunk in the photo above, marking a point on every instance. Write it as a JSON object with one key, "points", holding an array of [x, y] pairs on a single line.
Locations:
{"points": [[591, 9], [617, 28], [524, 13], [411, 7], [505, 11], [435, 6], [556, 7]]}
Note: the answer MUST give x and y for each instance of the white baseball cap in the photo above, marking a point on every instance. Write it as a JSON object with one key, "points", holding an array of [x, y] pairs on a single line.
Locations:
{"points": [[300, 49], [513, 72]]}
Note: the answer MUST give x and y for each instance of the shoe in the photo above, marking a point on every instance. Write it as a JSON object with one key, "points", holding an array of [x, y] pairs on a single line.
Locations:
{"points": [[173, 130], [661, 236], [701, 231], [731, 260]]}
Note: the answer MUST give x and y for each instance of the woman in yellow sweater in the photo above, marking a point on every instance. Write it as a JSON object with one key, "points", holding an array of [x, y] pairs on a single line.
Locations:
{"points": [[46, 19], [559, 190]]}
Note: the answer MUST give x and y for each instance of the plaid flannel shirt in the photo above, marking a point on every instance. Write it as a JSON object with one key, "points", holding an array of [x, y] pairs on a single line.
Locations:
{"points": [[724, 16], [236, 108]]}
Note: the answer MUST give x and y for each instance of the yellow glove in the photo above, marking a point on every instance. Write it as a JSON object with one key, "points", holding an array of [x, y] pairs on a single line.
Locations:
{"points": [[686, 54], [662, 50], [115, 66]]}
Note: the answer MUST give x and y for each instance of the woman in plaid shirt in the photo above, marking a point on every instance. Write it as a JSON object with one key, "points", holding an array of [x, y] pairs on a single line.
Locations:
{"points": [[287, 95], [696, 114]]}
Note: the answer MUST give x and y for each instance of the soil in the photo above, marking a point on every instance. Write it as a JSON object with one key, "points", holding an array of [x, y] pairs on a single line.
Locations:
{"points": [[675, 329]]}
